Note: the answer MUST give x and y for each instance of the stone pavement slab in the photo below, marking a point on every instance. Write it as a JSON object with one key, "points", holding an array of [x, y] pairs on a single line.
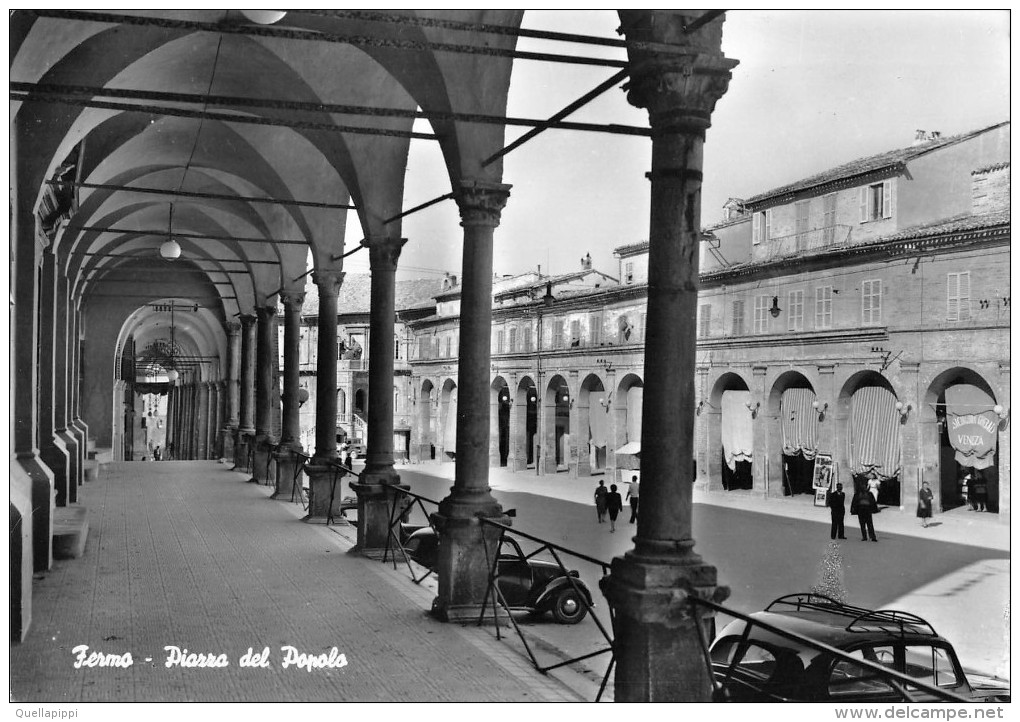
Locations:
{"points": [[187, 554]]}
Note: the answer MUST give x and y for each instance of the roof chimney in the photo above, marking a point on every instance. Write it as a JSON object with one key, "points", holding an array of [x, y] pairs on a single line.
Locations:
{"points": [[919, 137], [586, 262]]}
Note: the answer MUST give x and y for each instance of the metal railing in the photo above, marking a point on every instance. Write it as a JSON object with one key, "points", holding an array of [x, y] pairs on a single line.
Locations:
{"points": [[897, 681], [297, 486], [404, 502], [778, 247], [494, 592]]}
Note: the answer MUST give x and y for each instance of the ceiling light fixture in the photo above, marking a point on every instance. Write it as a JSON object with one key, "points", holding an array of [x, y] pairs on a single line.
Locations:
{"points": [[171, 249]]}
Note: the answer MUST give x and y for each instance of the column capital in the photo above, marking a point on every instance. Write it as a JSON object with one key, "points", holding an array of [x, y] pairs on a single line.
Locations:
{"points": [[233, 328], [265, 312], [481, 202], [247, 320], [677, 74], [328, 282], [383, 252], [292, 300]]}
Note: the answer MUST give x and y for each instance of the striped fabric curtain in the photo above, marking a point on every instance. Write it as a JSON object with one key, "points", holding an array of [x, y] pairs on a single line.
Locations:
{"points": [[737, 431], [800, 422], [874, 436]]}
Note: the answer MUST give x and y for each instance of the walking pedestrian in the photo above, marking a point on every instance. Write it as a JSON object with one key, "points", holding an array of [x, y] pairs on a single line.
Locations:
{"points": [[863, 506], [600, 500], [924, 503], [613, 505], [980, 492], [633, 491], [348, 461], [157, 455], [836, 501]]}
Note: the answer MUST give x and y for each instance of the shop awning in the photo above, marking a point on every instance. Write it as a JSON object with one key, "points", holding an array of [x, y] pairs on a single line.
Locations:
{"points": [[632, 448], [598, 418], [972, 425], [800, 422], [737, 429], [874, 437]]}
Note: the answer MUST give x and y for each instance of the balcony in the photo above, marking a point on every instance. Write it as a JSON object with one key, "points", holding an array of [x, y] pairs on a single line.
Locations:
{"points": [[813, 240]]}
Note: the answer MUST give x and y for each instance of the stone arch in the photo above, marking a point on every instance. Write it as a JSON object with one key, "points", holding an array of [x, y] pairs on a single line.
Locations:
{"points": [[626, 409], [790, 422], [883, 423], [941, 466], [448, 421], [737, 474], [425, 428], [525, 418], [594, 407], [556, 403], [500, 405]]}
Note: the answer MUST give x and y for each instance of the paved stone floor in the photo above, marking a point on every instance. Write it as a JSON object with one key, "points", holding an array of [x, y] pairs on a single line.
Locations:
{"points": [[188, 554]]}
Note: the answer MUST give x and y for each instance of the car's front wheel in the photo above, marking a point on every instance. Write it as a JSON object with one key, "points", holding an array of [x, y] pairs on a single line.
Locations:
{"points": [[569, 607]]}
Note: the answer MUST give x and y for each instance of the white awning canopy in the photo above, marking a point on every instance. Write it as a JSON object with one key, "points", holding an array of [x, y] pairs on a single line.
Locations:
{"points": [[631, 447]]}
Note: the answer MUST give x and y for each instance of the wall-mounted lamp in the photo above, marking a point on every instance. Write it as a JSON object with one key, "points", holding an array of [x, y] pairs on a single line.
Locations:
{"points": [[302, 396], [532, 395], [904, 410], [775, 310], [605, 363], [700, 406], [820, 408], [753, 408], [1001, 412]]}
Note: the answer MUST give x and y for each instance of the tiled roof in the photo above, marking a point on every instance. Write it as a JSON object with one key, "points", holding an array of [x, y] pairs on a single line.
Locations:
{"points": [[990, 168], [870, 164], [956, 224], [356, 294]]}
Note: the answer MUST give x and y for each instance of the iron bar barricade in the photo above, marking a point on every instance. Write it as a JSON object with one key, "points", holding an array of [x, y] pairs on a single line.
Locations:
{"points": [[493, 592], [898, 681], [337, 471], [405, 500], [297, 486]]}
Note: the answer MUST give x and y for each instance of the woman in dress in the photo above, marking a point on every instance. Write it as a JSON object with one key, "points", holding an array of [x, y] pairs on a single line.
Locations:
{"points": [[924, 503], [614, 503]]}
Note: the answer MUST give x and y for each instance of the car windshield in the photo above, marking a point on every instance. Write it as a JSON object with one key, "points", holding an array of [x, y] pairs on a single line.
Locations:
{"points": [[779, 670]]}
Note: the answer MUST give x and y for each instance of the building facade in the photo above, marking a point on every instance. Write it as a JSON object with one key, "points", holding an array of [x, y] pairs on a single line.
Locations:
{"points": [[860, 316]]}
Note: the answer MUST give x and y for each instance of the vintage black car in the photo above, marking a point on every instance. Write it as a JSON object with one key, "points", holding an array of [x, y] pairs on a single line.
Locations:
{"points": [[531, 585], [754, 664]]}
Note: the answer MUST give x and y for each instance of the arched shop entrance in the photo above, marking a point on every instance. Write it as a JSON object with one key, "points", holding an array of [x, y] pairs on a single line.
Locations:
{"points": [[557, 423], [448, 420], [734, 413], [873, 436], [593, 415], [967, 421], [526, 410], [627, 406], [799, 425], [426, 422]]}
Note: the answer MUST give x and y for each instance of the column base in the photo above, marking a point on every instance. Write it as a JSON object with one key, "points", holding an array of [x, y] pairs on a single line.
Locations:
{"points": [[286, 464], [321, 491], [43, 508], [227, 434], [80, 441], [263, 472], [464, 563], [658, 650], [74, 471], [54, 454], [375, 503]]}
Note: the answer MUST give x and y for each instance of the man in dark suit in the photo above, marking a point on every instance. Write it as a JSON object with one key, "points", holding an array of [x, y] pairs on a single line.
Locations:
{"points": [[836, 501]]}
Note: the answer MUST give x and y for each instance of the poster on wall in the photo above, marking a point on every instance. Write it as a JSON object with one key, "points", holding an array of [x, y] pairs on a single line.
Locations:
{"points": [[822, 478], [820, 495]]}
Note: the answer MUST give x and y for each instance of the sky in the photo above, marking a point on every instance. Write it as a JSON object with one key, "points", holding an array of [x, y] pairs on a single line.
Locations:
{"points": [[814, 89]]}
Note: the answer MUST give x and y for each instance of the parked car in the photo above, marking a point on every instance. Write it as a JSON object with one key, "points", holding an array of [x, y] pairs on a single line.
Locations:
{"points": [[531, 585], [754, 664]]}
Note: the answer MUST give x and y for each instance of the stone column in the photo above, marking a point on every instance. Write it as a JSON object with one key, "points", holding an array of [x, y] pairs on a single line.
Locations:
{"points": [[658, 654], [373, 486], [265, 363], [62, 390], [290, 438], [201, 419], [320, 473], [910, 436], [514, 460], [232, 411], [572, 454], [52, 449], [764, 422], [462, 564], [75, 426], [246, 402], [1003, 458]]}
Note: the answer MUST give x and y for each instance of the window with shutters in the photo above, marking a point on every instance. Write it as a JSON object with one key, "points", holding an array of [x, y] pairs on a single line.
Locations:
{"points": [[499, 341], [704, 320], [449, 346], [823, 307], [871, 302], [801, 208], [628, 273], [558, 333], [513, 339], [795, 311], [761, 314], [829, 218], [737, 328], [876, 201], [644, 326], [575, 332], [595, 329], [436, 348], [958, 296], [526, 333], [761, 226]]}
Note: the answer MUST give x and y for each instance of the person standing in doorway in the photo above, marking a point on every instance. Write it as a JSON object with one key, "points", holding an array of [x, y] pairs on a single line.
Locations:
{"points": [[980, 492], [873, 486], [600, 500], [633, 491], [836, 501], [613, 505], [863, 506], [157, 455], [924, 503], [348, 461]]}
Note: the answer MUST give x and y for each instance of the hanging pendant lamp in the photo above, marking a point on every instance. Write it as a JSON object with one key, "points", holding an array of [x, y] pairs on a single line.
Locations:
{"points": [[171, 249]]}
